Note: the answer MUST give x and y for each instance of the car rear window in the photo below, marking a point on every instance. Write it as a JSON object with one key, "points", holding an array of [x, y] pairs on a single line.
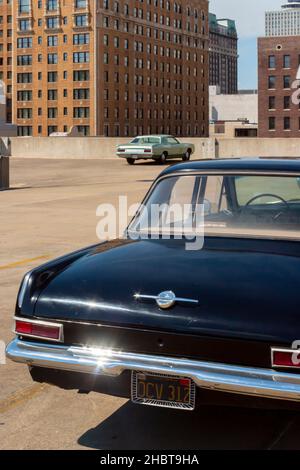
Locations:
{"points": [[257, 206]]}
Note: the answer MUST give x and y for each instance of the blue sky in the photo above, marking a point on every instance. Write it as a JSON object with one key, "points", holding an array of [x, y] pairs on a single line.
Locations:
{"points": [[249, 16]]}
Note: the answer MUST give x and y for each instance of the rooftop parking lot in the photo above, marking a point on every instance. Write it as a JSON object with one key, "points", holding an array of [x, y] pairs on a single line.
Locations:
{"points": [[49, 211]]}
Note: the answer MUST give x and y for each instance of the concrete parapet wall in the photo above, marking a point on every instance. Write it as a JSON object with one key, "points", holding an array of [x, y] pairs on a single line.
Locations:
{"points": [[86, 147], [251, 147], [105, 148]]}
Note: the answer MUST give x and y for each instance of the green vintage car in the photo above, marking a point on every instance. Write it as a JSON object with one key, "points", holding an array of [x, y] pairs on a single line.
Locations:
{"points": [[155, 147]]}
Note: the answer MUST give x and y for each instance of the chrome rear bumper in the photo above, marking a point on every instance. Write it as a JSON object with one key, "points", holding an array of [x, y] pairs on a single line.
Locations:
{"points": [[137, 156], [257, 382]]}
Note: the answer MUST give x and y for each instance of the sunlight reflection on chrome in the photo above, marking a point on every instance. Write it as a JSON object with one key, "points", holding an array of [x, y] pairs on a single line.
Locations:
{"points": [[102, 355]]}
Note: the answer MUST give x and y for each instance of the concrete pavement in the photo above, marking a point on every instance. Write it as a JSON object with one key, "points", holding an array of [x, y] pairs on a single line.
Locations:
{"points": [[51, 210]]}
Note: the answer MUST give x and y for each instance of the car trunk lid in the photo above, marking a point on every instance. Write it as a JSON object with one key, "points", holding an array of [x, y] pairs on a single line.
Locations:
{"points": [[246, 289]]}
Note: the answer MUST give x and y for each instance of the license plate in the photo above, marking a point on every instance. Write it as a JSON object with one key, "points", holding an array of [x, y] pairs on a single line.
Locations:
{"points": [[134, 156], [163, 391]]}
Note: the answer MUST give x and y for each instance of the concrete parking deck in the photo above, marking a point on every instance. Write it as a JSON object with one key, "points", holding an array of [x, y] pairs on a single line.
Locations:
{"points": [[51, 210]]}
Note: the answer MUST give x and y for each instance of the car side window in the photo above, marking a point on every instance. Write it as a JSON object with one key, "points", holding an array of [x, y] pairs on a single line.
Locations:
{"points": [[172, 141], [215, 194]]}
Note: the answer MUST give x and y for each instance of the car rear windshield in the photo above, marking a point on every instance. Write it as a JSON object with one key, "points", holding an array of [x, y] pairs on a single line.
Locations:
{"points": [[256, 206], [146, 140]]}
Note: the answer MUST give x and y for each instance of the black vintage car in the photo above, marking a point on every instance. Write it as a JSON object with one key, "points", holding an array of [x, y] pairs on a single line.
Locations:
{"points": [[168, 316]]}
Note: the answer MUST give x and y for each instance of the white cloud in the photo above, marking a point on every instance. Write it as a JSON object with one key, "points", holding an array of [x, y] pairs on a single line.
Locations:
{"points": [[249, 14]]}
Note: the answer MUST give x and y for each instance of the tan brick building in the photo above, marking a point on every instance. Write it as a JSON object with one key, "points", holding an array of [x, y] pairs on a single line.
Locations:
{"points": [[278, 63], [6, 45], [115, 68]]}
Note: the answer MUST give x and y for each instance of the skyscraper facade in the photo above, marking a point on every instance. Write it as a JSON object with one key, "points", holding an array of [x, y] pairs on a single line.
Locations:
{"points": [[223, 54], [284, 22]]}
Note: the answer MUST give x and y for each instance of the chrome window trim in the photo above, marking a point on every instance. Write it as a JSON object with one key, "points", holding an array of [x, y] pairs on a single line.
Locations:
{"points": [[42, 323], [23, 288]]}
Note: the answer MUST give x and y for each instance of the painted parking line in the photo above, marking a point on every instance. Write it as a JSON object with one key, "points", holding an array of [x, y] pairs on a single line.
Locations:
{"points": [[24, 262], [21, 397]]}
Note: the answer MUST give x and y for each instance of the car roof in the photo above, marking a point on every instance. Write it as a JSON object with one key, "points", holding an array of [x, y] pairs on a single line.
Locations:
{"points": [[258, 164], [156, 136]]}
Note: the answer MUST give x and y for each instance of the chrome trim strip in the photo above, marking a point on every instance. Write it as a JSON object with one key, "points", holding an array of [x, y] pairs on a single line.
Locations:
{"points": [[156, 297], [42, 323], [221, 172], [257, 382]]}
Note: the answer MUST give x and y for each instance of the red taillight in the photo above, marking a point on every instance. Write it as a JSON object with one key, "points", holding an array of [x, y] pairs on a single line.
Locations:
{"points": [[147, 151], [185, 382], [38, 329], [286, 358]]}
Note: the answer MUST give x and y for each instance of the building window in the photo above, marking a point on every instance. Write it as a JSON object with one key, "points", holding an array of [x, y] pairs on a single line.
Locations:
{"points": [[272, 123], [24, 131], [286, 81], [271, 82], [52, 129], [286, 102], [84, 130], [81, 93], [81, 20], [81, 75], [81, 57], [272, 102], [52, 95], [52, 5], [80, 39], [24, 6], [52, 23], [272, 62], [52, 41], [52, 113], [81, 112], [286, 61], [286, 123]]}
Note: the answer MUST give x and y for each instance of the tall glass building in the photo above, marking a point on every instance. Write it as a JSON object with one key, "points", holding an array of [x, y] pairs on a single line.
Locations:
{"points": [[284, 22]]}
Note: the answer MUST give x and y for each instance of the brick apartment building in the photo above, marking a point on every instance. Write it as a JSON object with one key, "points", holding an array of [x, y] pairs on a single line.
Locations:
{"points": [[278, 63], [113, 68], [6, 45]]}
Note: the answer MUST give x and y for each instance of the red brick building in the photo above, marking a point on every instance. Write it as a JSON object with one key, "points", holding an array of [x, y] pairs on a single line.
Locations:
{"points": [[278, 63]]}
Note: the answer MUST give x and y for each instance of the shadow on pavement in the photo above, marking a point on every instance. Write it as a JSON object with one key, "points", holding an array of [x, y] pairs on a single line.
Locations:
{"points": [[210, 427]]}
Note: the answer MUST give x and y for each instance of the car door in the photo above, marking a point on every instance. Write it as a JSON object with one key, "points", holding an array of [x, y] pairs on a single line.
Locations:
{"points": [[179, 148], [165, 147], [172, 146]]}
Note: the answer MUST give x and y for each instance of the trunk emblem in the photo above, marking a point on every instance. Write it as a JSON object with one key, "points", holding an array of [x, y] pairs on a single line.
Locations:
{"points": [[165, 300]]}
